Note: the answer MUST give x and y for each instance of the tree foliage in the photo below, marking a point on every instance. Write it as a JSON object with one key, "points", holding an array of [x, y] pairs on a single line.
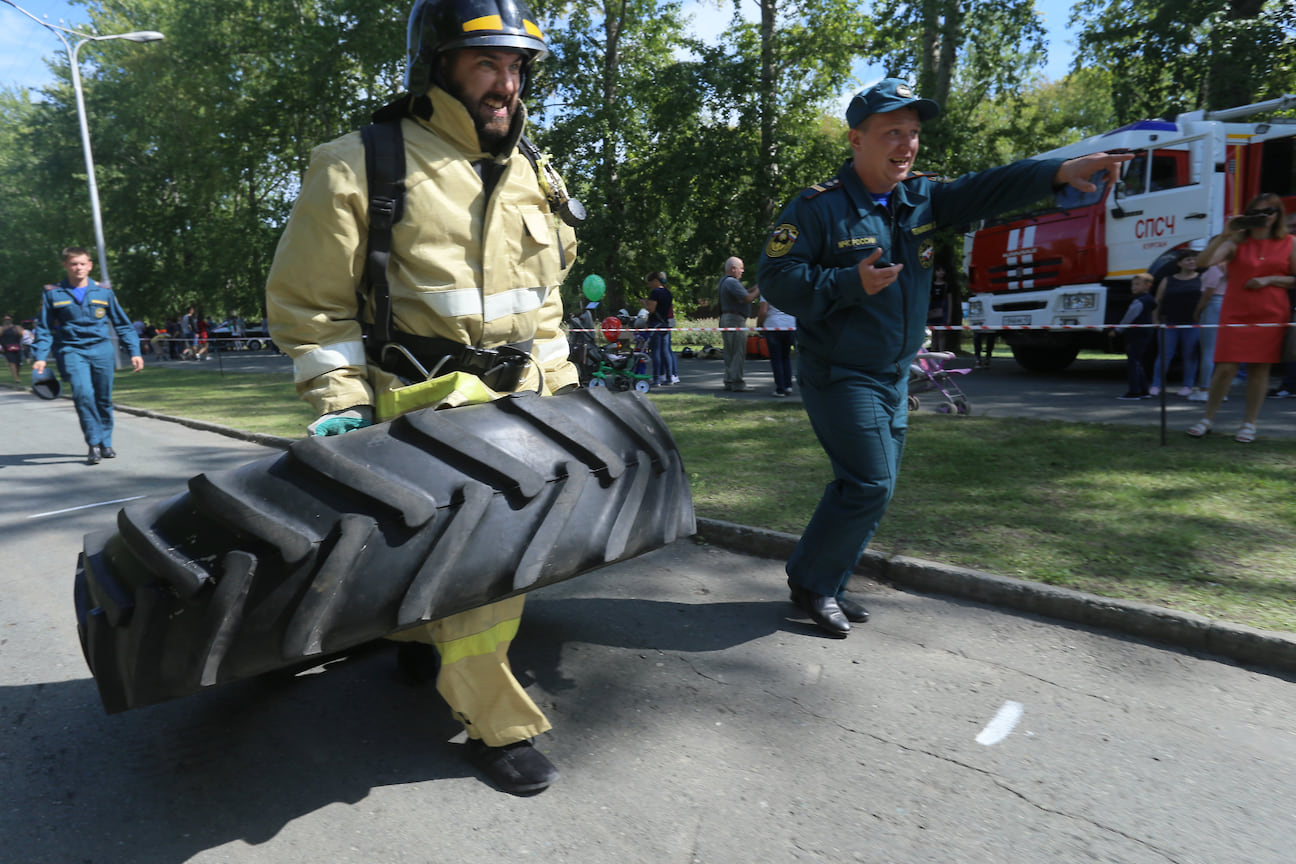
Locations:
{"points": [[963, 54], [1169, 56], [199, 141], [683, 152]]}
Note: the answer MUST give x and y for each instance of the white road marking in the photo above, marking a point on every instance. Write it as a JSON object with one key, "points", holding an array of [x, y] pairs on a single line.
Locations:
{"points": [[1002, 725], [85, 507]]}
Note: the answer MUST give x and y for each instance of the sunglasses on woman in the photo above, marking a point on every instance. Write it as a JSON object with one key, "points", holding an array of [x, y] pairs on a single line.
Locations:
{"points": [[1262, 211]]}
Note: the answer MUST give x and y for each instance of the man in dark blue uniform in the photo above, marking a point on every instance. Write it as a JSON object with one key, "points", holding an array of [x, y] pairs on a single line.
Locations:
{"points": [[76, 314], [851, 259]]}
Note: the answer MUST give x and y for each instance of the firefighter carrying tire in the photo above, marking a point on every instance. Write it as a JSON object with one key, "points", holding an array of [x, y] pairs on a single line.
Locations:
{"points": [[344, 540]]}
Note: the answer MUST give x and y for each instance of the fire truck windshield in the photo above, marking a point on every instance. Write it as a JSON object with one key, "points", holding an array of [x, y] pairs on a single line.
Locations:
{"points": [[1068, 197]]}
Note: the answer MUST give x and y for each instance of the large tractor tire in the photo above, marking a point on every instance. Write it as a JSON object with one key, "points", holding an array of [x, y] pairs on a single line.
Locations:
{"points": [[344, 540]]}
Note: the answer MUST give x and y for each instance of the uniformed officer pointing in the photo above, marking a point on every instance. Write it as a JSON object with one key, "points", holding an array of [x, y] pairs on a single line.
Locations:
{"points": [[851, 258]]}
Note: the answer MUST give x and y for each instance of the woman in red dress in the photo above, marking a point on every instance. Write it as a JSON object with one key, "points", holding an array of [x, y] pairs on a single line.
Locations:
{"points": [[1261, 269]]}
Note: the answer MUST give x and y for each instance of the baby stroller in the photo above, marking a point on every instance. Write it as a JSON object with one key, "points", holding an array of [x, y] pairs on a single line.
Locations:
{"points": [[928, 374], [601, 365], [582, 344]]}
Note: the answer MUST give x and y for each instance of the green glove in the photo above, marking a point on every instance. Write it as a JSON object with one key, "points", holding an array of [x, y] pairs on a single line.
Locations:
{"points": [[339, 426], [342, 422]]}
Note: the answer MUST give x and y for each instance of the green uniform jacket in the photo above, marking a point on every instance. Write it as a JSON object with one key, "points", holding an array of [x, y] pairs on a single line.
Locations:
{"points": [[808, 267]]}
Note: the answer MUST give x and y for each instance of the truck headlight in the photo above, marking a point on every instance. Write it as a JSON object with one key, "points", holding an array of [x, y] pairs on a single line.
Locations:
{"points": [[1079, 302], [974, 309]]}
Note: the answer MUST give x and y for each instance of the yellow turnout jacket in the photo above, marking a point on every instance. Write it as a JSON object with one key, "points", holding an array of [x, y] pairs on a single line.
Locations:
{"points": [[477, 271]]}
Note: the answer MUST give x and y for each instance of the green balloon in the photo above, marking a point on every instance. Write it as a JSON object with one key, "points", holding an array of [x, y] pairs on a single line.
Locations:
{"points": [[594, 287]]}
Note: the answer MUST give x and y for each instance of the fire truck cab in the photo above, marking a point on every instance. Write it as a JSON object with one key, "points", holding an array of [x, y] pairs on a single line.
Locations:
{"points": [[1056, 278]]}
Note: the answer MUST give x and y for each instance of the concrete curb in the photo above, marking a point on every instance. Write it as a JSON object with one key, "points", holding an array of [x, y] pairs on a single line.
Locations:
{"points": [[254, 437], [1246, 645]]}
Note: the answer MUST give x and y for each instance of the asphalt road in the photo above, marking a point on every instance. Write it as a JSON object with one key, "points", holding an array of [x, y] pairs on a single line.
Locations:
{"points": [[697, 721]]}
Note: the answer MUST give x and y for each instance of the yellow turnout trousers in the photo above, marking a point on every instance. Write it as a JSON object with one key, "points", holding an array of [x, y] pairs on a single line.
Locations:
{"points": [[475, 678]]}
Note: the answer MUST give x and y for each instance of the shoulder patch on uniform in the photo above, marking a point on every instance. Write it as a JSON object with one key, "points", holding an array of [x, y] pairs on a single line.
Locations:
{"points": [[820, 188], [781, 240]]}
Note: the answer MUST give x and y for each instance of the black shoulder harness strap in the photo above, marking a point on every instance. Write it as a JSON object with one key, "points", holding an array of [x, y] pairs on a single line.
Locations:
{"points": [[385, 173]]}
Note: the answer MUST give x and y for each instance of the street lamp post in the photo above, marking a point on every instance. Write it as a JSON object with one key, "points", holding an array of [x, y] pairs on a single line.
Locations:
{"points": [[72, 52]]}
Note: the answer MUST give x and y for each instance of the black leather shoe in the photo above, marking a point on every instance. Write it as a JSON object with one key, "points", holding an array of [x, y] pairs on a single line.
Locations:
{"points": [[92, 458], [854, 612], [823, 611], [108, 452], [516, 768]]}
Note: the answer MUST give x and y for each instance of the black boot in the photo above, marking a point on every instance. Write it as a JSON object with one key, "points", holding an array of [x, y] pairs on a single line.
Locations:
{"points": [[823, 611], [854, 612], [516, 768], [93, 457]]}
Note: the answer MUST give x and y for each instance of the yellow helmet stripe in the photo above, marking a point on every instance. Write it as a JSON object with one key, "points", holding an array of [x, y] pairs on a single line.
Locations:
{"points": [[532, 29], [486, 22]]}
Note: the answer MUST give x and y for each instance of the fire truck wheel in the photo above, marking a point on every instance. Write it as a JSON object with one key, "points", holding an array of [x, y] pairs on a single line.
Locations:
{"points": [[1036, 358], [344, 540]]}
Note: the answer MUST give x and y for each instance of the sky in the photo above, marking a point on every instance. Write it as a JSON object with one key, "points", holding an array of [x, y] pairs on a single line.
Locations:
{"points": [[25, 45]]}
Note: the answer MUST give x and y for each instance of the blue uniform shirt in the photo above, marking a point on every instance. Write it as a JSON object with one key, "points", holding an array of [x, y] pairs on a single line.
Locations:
{"points": [[808, 267], [78, 326]]}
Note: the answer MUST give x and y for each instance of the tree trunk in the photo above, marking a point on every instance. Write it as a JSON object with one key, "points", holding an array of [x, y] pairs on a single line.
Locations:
{"points": [[768, 109]]}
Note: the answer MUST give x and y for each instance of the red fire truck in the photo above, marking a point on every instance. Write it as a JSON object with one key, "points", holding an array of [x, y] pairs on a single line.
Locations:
{"points": [[1062, 272]]}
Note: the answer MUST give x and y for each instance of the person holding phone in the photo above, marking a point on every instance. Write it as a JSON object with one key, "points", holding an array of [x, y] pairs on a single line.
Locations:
{"points": [[852, 259], [1261, 259]]}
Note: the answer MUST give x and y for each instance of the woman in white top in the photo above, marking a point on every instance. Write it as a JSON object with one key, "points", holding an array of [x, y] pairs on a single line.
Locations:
{"points": [[780, 334]]}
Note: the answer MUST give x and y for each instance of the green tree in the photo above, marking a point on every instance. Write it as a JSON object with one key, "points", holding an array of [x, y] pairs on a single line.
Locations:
{"points": [[963, 54], [37, 202], [686, 159], [1045, 114], [1169, 56], [200, 141], [598, 88]]}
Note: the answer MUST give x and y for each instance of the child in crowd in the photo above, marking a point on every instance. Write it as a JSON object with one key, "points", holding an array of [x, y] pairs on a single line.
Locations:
{"points": [[1137, 339]]}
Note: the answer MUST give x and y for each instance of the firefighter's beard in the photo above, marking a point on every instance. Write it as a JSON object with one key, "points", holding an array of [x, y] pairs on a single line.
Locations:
{"points": [[492, 126]]}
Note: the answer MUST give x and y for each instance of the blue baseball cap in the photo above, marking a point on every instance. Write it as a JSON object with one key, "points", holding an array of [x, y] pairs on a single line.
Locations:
{"points": [[889, 94], [44, 384]]}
